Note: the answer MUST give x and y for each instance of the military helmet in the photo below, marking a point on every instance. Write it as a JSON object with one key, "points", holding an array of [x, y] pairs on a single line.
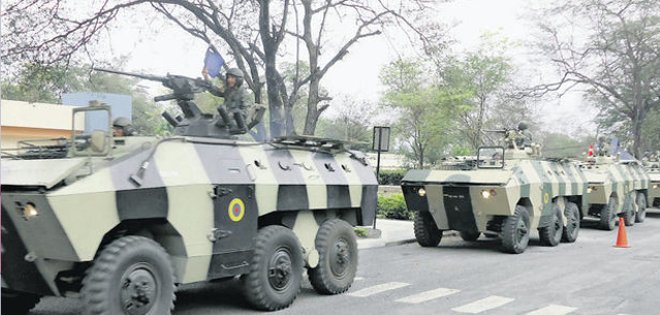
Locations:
{"points": [[522, 126], [235, 72], [122, 122], [238, 73]]}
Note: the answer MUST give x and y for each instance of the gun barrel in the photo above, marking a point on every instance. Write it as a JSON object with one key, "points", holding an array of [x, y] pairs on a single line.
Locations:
{"points": [[495, 130], [137, 75]]}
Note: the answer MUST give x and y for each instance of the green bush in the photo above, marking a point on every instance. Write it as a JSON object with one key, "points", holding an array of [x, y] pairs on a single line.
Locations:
{"points": [[393, 207], [391, 177], [361, 232]]}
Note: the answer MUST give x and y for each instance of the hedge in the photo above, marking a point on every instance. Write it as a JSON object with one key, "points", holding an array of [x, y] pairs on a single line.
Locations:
{"points": [[391, 177], [393, 207]]}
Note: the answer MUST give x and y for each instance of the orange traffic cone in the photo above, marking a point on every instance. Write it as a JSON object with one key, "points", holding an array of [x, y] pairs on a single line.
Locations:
{"points": [[622, 237]]}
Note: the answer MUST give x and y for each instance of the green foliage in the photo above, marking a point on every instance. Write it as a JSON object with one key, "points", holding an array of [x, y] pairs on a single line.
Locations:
{"points": [[361, 231], [461, 150], [393, 207], [428, 112], [651, 131], [391, 177], [561, 146]]}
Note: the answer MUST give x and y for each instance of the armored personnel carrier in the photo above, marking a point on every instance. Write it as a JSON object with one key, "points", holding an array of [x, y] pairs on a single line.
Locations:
{"points": [[119, 222], [616, 188], [652, 166], [505, 190]]}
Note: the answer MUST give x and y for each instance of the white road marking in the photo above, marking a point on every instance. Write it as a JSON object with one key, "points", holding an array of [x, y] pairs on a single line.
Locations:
{"points": [[358, 279], [485, 304], [379, 289], [553, 309], [427, 295]]}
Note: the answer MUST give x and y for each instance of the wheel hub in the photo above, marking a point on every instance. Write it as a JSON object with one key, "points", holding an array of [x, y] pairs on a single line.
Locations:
{"points": [[139, 290], [340, 257], [280, 269], [522, 230]]}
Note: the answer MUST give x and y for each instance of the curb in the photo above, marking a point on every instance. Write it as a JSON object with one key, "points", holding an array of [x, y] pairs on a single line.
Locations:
{"points": [[376, 243]]}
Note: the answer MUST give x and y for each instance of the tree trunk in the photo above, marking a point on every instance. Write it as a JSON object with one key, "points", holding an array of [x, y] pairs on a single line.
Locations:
{"points": [[312, 107], [272, 85], [637, 134]]}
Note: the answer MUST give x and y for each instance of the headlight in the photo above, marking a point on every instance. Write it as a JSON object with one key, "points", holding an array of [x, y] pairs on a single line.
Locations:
{"points": [[656, 186], [488, 193], [421, 192], [30, 211], [591, 188]]}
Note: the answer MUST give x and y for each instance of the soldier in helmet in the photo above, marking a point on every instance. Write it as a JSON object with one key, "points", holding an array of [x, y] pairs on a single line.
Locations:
{"points": [[237, 100], [526, 136], [122, 127]]}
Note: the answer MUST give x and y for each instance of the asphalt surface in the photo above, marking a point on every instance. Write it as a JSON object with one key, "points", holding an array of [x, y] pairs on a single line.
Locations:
{"points": [[587, 277]]}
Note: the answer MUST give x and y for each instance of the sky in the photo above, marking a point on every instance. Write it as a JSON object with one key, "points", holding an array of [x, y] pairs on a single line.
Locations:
{"points": [[170, 50]]}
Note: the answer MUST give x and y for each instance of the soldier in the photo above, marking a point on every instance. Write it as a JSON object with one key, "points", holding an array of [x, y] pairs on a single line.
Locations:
{"points": [[121, 127], [237, 100], [526, 136], [603, 146]]}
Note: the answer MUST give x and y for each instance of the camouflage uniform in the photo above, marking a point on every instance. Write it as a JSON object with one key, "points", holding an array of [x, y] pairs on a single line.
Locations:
{"points": [[238, 100]]}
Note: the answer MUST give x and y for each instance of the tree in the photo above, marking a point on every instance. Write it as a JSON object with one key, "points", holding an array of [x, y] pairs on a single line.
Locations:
{"points": [[618, 59], [486, 75], [427, 112], [352, 122], [53, 30]]}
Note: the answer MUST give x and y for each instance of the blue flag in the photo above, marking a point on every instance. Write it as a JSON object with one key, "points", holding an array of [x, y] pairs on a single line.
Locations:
{"points": [[213, 62]]}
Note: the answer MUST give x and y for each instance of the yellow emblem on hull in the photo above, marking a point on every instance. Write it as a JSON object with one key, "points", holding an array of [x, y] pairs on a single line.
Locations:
{"points": [[236, 210]]}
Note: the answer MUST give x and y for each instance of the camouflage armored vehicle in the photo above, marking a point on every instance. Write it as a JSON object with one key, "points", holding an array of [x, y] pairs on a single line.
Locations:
{"points": [[508, 191], [615, 188], [119, 222], [652, 165]]}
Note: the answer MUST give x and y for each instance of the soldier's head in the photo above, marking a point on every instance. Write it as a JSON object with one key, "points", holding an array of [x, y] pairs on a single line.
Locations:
{"points": [[121, 127], [234, 77], [522, 126]]}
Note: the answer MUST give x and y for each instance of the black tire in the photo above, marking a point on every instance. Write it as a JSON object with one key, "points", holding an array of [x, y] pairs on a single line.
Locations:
{"points": [[273, 281], [629, 213], [338, 258], [132, 275], [641, 208], [608, 215], [551, 235], [572, 227], [426, 232], [470, 236], [515, 231], [18, 303]]}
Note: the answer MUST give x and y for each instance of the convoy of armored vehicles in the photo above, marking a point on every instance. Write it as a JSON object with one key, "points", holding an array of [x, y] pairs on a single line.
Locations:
{"points": [[121, 221]]}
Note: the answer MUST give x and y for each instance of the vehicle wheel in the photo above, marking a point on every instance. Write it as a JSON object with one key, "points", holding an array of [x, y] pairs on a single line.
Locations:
{"points": [[551, 234], [608, 215], [426, 232], [629, 213], [641, 208], [572, 228], [470, 236], [133, 275], [338, 258], [19, 303], [273, 281], [515, 231]]}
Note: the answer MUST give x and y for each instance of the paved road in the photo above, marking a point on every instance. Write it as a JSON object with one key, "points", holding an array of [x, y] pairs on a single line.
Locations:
{"points": [[588, 277]]}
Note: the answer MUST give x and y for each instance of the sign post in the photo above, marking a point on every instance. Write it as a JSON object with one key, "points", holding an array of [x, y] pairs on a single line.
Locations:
{"points": [[381, 143]]}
